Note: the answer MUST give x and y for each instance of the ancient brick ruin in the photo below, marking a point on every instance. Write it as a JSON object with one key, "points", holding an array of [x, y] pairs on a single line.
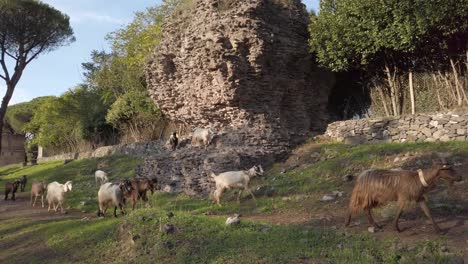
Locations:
{"points": [[243, 68]]}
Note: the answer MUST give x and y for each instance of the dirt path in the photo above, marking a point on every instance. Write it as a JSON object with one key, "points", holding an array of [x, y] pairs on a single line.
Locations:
{"points": [[27, 248], [415, 227]]}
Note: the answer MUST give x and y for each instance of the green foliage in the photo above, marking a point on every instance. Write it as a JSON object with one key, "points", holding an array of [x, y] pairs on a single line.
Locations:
{"points": [[66, 121], [364, 34], [32, 27], [119, 75], [19, 115], [27, 29], [136, 113]]}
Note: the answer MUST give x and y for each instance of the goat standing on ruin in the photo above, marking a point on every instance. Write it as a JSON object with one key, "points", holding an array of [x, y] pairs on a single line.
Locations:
{"points": [[378, 187], [235, 179], [202, 137], [173, 141]]}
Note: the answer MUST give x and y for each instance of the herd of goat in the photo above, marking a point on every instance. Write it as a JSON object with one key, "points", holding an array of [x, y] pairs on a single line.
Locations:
{"points": [[373, 188]]}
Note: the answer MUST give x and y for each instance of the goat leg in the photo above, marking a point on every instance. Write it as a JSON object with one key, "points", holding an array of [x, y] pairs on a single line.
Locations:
{"points": [[426, 211], [371, 219], [122, 211], [239, 196], [42, 200], [348, 219], [251, 193], [115, 210], [397, 217]]}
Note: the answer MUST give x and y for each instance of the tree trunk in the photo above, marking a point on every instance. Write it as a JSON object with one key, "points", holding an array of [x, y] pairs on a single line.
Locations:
{"points": [[457, 84], [411, 90], [384, 102], [3, 108], [448, 85], [391, 84]]}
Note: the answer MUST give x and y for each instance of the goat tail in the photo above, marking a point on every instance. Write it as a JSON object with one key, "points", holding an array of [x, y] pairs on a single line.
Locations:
{"points": [[359, 199]]}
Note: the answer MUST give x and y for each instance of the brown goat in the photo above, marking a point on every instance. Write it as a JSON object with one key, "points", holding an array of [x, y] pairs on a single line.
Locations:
{"points": [[140, 186], [38, 189], [378, 187], [11, 187]]}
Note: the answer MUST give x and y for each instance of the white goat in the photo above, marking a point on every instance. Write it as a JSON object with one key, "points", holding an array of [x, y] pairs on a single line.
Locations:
{"points": [[113, 193], [202, 137], [235, 179], [101, 177], [56, 194]]}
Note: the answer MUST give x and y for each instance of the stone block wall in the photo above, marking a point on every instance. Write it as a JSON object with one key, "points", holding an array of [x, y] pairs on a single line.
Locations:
{"points": [[442, 127], [135, 149]]}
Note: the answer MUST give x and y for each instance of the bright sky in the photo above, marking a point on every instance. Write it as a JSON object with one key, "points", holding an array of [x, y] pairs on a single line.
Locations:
{"points": [[56, 72]]}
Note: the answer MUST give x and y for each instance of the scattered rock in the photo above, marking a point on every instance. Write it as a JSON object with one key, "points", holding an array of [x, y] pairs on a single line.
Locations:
{"points": [[340, 245], [265, 228], [444, 249], [371, 229], [347, 178], [265, 190], [235, 220], [168, 244], [338, 193], [168, 228], [85, 218], [328, 198], [300, 197]]}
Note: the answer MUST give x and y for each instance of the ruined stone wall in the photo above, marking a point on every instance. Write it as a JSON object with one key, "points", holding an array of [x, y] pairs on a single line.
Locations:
{"points": [[243, 68], [417, 128], [134, 149], [240, 64], [12, 148]]}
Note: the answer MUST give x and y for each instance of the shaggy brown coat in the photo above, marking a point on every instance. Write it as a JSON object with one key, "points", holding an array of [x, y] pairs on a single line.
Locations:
{"points": [[140, 186], [378, 187], [11, 187], [38, 189]]}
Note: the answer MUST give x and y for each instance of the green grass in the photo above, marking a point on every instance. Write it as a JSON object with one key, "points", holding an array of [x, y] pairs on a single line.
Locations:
{"points": [[202, 236], [202, 239], [80, 172]]}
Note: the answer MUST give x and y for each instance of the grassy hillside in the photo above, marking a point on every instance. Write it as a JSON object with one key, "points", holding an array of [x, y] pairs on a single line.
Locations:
{"points": [[288, 224]]}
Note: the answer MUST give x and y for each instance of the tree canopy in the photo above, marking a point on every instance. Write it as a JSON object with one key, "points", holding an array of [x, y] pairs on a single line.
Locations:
{"points": [[27, 29], [364, 33]]}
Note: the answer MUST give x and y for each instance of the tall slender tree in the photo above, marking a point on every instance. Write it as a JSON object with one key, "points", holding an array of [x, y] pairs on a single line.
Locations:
{"points": [[27, 29]]}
